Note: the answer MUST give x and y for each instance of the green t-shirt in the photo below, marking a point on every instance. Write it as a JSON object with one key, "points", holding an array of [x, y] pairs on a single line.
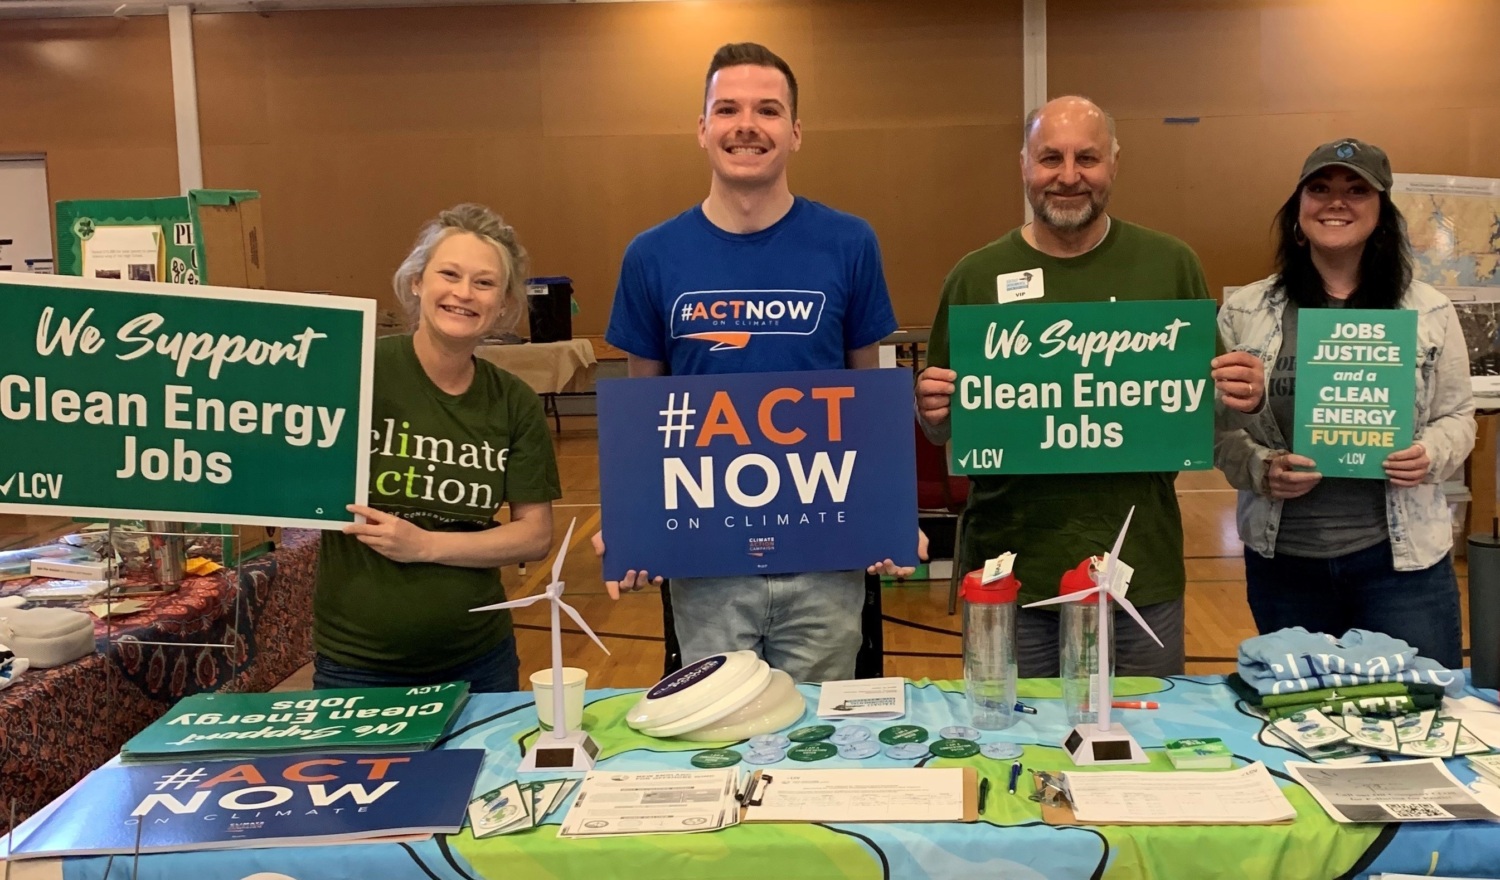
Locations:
{"points": [[446, 463], [1053, 521]]}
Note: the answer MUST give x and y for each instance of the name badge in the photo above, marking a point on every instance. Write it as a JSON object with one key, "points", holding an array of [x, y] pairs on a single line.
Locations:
{"points": [[1016, 286]]}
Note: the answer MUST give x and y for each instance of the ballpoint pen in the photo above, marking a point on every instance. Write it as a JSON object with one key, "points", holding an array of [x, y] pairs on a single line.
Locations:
{"points": [[1134, 704], [1015, 774], [984, 792], [1022, 707]]}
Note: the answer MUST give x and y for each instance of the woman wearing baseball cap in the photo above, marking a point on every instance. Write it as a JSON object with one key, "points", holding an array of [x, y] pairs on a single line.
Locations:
{"points": [[1331, 554]]}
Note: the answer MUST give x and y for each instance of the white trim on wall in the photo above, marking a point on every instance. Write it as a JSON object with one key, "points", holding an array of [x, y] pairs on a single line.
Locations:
{"points": [[185, 98]]}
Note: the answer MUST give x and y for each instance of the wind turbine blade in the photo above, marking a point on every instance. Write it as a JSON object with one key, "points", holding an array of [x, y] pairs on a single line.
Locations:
{"points": [[1136, 616], [562, 551], [1107, 577], [581, 625], [514, 603], [1070, 597]]}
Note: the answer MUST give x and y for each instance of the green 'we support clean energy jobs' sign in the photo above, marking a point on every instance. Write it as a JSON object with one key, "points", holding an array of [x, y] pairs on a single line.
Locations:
{"points": [[137, 400], [1356, 388], [1106, 387]]}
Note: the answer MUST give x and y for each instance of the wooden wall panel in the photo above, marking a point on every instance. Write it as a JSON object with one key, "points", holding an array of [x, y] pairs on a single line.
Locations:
{"points": [[578, 123], [1268, 81], [95, 96]]}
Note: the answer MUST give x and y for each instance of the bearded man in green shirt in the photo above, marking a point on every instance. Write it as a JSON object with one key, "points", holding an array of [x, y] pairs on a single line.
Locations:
{"points": [[1068, 165]]}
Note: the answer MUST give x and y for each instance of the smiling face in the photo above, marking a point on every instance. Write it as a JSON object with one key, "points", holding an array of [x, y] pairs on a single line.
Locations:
{"points": [[462, 289], [1338, 211], [1069, 165], [747, 127]]}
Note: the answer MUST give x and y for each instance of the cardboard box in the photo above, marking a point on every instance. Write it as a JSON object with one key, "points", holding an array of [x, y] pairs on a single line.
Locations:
{"points": [[205, 237]]}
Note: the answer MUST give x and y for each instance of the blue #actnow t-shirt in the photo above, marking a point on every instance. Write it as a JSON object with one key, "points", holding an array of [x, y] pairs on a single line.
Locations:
{"points": [[794, 296]]}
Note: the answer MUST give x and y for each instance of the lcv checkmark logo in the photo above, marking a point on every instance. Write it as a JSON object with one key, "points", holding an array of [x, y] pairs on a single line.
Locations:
{"points": [[5, 486], [964, 460]]}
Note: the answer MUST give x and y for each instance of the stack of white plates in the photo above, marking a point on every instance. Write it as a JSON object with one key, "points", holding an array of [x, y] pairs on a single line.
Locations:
{"points": [[723, 697]]}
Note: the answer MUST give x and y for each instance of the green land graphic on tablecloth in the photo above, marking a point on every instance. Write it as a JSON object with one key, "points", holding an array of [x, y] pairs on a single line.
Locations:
{"points": [[1322, 847]]}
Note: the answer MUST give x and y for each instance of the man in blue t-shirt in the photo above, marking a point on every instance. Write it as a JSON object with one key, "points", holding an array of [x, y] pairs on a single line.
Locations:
{"points": [[755, 279]]}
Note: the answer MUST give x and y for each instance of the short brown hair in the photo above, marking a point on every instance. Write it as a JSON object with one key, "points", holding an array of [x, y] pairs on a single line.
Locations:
{"points": [[739, 54]]}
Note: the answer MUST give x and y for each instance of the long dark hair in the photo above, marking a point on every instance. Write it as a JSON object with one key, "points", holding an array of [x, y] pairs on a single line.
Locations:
{"points": [[1384, 267]]}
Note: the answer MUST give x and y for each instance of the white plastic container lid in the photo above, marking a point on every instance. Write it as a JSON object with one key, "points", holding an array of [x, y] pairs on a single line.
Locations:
{"points": [[693, 687], [726, 703]]}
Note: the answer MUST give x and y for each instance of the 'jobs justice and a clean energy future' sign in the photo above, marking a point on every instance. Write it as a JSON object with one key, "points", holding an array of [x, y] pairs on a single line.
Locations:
{"points": [[759, 473], [142, 400], [1356, 388], [1083, 388]]}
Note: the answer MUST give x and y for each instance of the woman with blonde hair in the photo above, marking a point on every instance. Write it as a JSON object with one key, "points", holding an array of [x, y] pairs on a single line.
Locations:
{"points": [[453, 437]]}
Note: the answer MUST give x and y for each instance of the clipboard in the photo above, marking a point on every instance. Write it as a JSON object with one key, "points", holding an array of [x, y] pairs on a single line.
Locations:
{"points": [[1062, 814], [761, 786]]}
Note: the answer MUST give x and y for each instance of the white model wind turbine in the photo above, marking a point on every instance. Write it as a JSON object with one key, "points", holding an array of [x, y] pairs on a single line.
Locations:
{"points": [[1102, 742], [561, 749]]}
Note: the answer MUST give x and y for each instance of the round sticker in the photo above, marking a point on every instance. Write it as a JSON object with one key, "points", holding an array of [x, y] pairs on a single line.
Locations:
{"points": [[811, 734], [851, 734], [903, 733], [1002, 751], [955, 748], [764, 756], [959, 731], [906, 751], [858, 751], [769, 741], [812, 751], [714, 758], [1428, 747]]}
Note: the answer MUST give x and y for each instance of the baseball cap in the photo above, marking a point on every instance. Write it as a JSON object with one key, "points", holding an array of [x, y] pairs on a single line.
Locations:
{"points": [[1369, 162]]}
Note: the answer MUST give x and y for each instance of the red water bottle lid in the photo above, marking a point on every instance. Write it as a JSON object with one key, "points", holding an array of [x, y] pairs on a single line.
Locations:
{"points": [[997, 592], [1078, 580]]}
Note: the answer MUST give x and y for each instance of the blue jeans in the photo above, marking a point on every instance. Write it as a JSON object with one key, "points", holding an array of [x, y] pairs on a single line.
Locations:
{"points": [[1037, 647], [1359, 590], [499, 671], [807, 625]]}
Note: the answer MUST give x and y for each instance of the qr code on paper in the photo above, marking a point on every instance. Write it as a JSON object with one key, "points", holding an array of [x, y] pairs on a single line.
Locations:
{"points": [[1416, 810]]}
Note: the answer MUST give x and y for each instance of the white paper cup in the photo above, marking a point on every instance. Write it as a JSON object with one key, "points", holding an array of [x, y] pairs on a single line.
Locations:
{"points": [[574, 681]]}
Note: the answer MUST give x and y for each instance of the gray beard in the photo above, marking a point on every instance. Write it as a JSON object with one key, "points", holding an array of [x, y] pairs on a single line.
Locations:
{"points": [[1070, 220]]}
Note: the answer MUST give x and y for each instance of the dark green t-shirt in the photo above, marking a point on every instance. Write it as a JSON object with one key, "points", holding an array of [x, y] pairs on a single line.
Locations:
{"points": [[1053, 521], [446, 463]]}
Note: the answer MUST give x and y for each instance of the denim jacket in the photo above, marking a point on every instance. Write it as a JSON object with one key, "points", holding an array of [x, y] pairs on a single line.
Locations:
{"points": [[1420, 525]]}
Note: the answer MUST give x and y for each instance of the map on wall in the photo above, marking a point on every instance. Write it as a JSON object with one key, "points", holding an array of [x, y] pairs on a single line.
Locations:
{"points": [[1454, 227], [1453, 224]]}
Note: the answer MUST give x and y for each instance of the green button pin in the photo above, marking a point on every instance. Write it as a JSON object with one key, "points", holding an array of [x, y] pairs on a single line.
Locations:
{"points": [[903, 733], [812, 751], [715, 758], [954, 748], [813, 733]]}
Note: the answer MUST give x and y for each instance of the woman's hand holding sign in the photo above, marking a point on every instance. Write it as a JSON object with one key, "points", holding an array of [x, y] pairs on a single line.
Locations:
{"points": [[1240, 378], [1408, 467], [1283, 483], [389, 535]]}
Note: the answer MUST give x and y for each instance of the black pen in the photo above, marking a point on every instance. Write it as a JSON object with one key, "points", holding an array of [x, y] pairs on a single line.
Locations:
{"points": [[984, 792]]}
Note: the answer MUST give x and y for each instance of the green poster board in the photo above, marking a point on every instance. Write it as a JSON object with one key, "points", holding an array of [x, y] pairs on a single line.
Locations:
{"points": [[346, 719], [137, 400], [1356, 388], [1106, 387], [162, 239]]}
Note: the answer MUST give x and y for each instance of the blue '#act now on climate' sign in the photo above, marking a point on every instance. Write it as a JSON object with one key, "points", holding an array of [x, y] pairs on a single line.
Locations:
{"points": [[758, 473]]}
